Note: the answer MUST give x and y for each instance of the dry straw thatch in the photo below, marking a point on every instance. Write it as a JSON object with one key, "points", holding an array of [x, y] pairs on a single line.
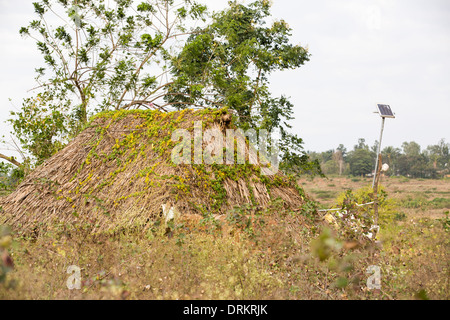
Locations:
{"points": [[118, 173]]}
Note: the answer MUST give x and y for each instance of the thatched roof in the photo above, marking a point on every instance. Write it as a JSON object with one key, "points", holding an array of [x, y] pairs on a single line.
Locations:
{"points": [[118, 173]]}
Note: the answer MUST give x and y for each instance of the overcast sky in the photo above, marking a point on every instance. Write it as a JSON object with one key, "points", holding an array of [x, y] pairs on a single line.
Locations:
{"points": [[363, 53]]}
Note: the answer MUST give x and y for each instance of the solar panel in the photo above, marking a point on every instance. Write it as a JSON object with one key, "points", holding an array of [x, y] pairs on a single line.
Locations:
{"points": [[385, 111]]}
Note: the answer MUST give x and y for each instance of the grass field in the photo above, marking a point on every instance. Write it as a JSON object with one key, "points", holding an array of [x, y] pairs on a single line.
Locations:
{"points": [[251, 254], [416, 197]]}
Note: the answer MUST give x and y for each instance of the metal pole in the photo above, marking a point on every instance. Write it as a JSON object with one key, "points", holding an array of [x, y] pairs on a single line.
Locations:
{"points": [[375, 199], [379, 150]]}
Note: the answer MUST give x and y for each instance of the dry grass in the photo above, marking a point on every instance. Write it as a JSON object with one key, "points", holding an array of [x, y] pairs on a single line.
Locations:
{"points": [[249, 255], [196, 260], [246, 253]]}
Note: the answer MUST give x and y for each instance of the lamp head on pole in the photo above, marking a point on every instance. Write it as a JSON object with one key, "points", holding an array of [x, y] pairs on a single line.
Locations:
{"points": [[385, 111]]}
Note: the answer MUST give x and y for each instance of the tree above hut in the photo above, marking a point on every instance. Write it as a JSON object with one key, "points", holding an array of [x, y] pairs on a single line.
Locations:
{"points": [[161, 55]]}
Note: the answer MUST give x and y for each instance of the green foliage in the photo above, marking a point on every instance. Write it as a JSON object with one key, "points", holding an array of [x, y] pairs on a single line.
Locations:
{"points": [[337, 262], [5, 169], [440, 203], [411, 148], [106, 56], [98, 58], [361, 162], [409, 161], [228, 64], [241, 218], [415, 202], [332, 162], [387, 207], [445, 221], [10, 176], [309, 209], [390, 156], [415, 166], [419, 201], [324, 194], [422, 295], [330, 167], [6, 263], [42, 126], [325, 244]]}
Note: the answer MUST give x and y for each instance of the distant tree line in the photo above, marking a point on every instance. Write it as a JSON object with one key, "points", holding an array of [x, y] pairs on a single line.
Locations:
{"points": [[410, 160]]}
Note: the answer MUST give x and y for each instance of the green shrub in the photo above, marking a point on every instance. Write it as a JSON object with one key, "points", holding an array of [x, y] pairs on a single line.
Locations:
{"points": [[440, 203], [6, 264], [445, 222], [422, 203], [415, 203], [399, 216], [387, 208]]}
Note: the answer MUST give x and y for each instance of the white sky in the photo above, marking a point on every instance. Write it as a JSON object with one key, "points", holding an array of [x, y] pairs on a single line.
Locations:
{"points": [[364, 52]]}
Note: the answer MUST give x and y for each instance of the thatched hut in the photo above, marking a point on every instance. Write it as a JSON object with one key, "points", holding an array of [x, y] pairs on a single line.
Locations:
{"points": [[118, 173]]}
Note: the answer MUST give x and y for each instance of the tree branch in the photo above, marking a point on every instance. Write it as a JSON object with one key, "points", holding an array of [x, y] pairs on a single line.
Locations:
{"points": [[144, 103], [11, 160]]}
